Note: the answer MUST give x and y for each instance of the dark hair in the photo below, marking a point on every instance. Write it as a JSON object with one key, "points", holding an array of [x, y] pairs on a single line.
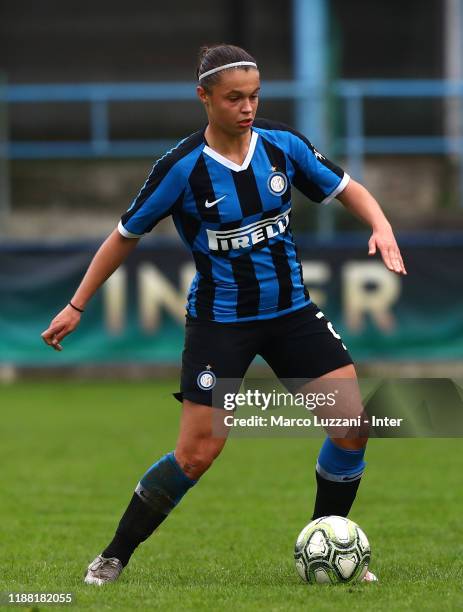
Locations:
{"points": [[219, 55]]}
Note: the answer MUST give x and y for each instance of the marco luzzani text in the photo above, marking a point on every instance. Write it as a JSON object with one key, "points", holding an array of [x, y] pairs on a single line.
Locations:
{"points": [[310, 401]]}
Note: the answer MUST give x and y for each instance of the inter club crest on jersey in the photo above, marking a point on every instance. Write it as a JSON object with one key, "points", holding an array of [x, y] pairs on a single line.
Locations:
{"points": [[206, 379], [277, 183]]}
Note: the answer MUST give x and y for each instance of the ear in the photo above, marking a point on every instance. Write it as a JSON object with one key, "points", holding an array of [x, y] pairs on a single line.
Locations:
{"points": [[202, 94]]}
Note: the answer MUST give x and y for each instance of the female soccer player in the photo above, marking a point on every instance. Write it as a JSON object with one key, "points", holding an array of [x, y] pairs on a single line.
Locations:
{"points": [[228, 188]]}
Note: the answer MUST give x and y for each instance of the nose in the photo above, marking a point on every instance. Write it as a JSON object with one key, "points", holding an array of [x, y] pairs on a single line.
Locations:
{"points": [[246, 107]]}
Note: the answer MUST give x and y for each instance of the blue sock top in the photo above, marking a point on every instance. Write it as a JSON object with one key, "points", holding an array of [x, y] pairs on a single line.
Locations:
{"points": [[166, 475], [339, 464]]}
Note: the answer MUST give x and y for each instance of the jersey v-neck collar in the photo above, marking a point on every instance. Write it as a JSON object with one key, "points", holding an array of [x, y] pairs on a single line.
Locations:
{"points": [[231, 164]]}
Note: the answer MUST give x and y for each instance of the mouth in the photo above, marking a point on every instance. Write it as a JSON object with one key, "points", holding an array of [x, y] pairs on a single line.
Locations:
{"points": [[245, 122]]}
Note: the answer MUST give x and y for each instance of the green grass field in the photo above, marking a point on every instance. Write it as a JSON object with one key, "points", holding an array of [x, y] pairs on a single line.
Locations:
{"points": [[72, 453]]}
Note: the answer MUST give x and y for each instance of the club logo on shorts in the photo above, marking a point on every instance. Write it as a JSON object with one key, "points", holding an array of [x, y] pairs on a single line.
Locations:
{"points": [[206, 380], [277, 183]]}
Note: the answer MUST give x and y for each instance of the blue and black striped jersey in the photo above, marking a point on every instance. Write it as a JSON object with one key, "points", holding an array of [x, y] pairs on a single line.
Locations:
{"points": [[236, 220]]}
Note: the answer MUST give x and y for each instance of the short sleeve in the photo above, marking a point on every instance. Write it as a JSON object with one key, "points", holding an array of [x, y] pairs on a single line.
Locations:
{"points": [[314, 175], [158, 197]]}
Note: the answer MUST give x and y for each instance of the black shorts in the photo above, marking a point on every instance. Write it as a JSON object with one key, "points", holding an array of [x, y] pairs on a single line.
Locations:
{"points": [[298, 345]]}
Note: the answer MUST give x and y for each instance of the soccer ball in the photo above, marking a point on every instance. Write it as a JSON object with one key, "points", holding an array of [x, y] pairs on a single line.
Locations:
{"points": [[330, 550]]}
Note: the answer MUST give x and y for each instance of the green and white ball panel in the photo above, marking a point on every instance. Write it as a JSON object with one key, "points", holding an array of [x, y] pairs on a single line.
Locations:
{"points": [[306, 533], [339, 529], [317, 545], [301, 568], [346, 564], [322, 576]]}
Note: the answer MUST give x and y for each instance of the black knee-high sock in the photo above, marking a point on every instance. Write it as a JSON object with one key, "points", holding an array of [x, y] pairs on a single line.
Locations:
{"points": [[136, 525], [334, 497], [338, 476], [157, 493]]}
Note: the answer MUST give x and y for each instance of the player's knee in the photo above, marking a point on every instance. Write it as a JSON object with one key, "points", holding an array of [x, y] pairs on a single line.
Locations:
{"points": [[194, 465], [195, 461], [351, 443]]}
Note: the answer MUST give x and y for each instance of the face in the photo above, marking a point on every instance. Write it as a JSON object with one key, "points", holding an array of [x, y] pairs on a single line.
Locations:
{"points": [[232, 103]]}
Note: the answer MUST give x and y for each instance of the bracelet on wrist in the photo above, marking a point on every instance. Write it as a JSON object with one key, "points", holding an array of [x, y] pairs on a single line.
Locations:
{"points": [[75, 307]]}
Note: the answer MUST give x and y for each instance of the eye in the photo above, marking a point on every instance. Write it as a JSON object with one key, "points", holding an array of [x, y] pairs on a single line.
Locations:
{"points": [[233, 99]]}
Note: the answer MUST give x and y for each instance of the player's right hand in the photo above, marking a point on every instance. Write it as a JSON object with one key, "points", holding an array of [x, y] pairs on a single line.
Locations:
{"points": [[63, 324]]}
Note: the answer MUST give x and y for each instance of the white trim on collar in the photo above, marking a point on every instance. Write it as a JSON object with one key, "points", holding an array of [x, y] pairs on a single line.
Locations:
{"points": [[230, 164]]}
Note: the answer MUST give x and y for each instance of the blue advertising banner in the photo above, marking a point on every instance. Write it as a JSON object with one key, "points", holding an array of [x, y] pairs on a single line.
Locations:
{"points": [[138, 315]]}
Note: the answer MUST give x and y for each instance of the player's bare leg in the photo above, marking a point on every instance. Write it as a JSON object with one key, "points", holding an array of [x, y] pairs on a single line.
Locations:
{"points": [[356, 440], [161, 488], [199, 441]]}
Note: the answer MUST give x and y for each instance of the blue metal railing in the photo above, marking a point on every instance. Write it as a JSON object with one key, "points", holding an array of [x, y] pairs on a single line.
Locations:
{"points": [[355, 145], [98, 96]]}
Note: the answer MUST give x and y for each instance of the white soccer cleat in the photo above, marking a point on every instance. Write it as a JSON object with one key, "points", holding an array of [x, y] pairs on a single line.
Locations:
{"points": [[101, 571], [369, 577]]}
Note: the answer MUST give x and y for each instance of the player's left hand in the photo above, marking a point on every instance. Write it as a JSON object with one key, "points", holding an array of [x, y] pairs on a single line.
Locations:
{"points": [[384, 240], [63, 324]]}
